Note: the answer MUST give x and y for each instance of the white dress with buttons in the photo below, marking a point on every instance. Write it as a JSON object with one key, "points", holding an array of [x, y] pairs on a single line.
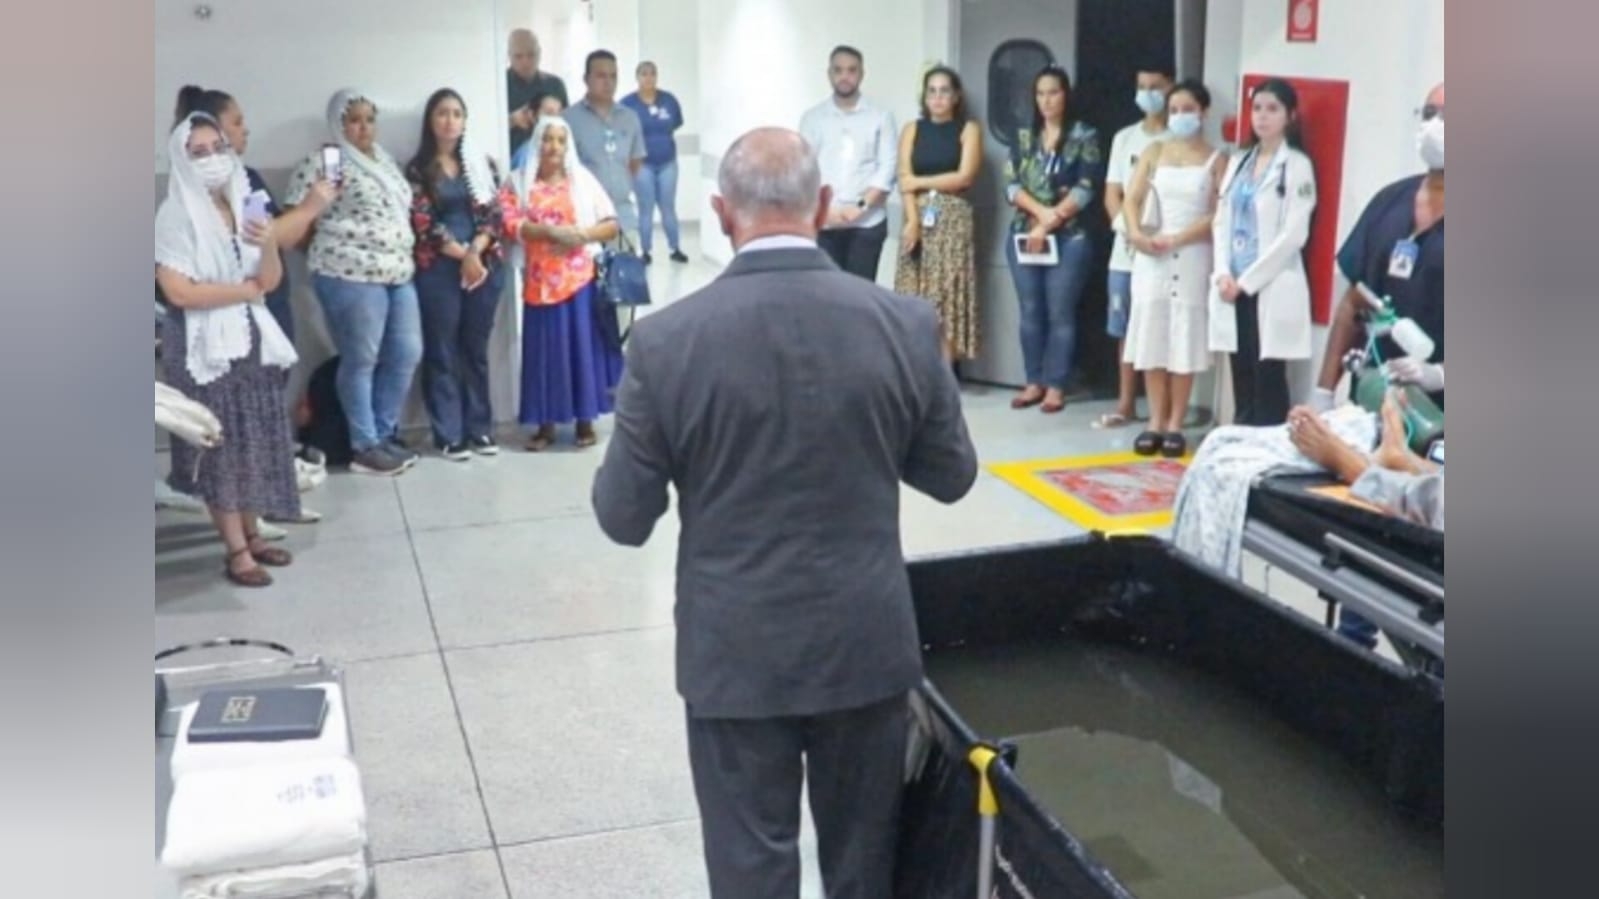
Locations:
{"points": [[1167, 325]]}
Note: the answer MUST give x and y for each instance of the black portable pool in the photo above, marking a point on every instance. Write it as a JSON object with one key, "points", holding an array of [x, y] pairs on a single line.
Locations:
{"points": [[1165, 733]]}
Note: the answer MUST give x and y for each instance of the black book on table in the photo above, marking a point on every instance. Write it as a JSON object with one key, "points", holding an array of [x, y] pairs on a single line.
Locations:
{"points": [[259, 716]]}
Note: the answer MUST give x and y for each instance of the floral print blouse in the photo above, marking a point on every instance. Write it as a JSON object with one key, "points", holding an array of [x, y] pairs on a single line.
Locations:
{"points": [[433, 207], [553, 275], [1077, 171], [365, 235]]}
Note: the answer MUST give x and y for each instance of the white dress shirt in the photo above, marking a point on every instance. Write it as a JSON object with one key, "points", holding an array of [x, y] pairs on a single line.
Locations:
{"points": [[857, 149]]}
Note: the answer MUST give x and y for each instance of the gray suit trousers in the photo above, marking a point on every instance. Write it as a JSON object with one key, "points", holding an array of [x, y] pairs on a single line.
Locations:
{"points": [[748, 775]]}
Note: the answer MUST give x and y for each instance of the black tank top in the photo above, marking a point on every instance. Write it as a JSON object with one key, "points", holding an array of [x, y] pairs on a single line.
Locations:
{"points": [[936, 149]]}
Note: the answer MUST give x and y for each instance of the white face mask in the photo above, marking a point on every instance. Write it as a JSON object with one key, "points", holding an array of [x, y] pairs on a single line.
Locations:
{"points": [[1430, 143], [1150, 101], [215, 171], [1183, 124]]}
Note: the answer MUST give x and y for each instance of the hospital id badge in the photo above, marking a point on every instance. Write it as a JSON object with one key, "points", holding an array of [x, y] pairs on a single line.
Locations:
{"points": [[1403, 261], [930, 214]]}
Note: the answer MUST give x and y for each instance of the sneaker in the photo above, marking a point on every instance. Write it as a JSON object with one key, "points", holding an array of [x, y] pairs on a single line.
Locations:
{"points": [[677, 256], [484, 446], [456, 452], [399, 450], [379, 460]]}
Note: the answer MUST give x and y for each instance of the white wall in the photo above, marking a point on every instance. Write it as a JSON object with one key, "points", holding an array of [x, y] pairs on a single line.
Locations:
{"points": [[764, 62], [1391, 53], [669, 36], [283, 60]]}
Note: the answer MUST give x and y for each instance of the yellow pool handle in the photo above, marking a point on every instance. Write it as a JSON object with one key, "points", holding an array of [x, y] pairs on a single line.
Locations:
{"points": [[981, 758]]}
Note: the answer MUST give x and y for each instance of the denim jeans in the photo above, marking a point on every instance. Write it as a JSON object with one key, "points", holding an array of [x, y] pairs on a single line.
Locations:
{"points": [[657, 186], [1048, 295], [377, 329], [456, 325]]}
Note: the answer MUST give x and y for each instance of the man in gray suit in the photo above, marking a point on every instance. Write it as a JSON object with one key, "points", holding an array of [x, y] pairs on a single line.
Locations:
{"points": [[786, 401]]}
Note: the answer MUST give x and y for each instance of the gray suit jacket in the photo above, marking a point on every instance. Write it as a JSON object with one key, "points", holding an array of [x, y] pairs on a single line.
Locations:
{"points": [[786, 401]]}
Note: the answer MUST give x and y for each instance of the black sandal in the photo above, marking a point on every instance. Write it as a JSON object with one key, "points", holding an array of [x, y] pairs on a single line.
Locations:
{"points": [[1148, 443], [1174, 445]]}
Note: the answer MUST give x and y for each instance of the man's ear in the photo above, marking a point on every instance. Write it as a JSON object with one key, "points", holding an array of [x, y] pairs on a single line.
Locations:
{"points": [[723, 217]]}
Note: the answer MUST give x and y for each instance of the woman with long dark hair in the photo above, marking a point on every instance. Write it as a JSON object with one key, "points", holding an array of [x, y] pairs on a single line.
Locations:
{"points": [[455, 212], [940, 155], [1056, 171], [1260, 301]]}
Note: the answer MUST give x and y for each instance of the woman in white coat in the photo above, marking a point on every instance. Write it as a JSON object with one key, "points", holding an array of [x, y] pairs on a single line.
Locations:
{"points": [[1260, 298]]}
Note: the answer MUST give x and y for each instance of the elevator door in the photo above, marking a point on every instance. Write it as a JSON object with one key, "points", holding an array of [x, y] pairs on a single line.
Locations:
{"points": [[1031, 32]]}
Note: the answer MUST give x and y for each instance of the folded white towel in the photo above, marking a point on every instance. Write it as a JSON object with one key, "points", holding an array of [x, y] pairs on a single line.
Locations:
{"points": [[188, 420], [188, 758], [346, 877], [264, 816]]}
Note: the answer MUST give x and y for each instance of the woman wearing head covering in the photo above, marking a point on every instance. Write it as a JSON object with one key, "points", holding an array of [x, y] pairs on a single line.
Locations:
{"points": [[456, 216], [223, 349], [361, 263], [560, 214]]}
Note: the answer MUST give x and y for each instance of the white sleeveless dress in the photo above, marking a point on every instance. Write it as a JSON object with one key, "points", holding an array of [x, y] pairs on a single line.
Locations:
{"points": [[1167, 326]]}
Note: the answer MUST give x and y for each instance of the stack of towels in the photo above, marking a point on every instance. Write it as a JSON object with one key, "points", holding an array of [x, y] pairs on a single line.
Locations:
{"points": [[278, 820]]}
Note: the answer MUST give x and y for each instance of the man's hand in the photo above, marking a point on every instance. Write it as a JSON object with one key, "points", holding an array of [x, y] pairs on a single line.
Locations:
{"points": [[849, 215], [523, 118]]}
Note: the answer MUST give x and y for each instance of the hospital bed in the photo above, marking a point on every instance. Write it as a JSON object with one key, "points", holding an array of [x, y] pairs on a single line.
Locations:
{"points": [[1388, 570]]}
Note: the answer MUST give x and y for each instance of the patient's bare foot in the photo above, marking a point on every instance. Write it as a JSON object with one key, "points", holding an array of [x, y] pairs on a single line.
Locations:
{"points": [[1321, 446]]}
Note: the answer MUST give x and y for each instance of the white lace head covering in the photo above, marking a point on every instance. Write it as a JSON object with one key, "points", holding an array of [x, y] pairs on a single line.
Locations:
{"points": [[194, 239], [380, 166]]}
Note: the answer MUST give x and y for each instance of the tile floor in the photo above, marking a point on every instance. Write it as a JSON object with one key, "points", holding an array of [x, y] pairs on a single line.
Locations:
{"points": [[500, 652]]}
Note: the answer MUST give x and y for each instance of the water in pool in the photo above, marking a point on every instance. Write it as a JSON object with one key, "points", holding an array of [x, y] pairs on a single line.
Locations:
{"points": [[1182, 787]]}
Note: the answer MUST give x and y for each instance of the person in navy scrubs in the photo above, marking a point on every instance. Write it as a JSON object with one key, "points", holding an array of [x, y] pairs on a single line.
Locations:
{"points": [[1397, 250]]}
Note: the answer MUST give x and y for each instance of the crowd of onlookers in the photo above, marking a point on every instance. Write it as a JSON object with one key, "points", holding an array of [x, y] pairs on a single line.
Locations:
{"points": [[408, 259]]}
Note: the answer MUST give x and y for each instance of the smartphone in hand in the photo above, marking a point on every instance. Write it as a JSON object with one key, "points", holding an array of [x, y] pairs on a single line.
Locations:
{"points": [[255, 207], [332, 163]]}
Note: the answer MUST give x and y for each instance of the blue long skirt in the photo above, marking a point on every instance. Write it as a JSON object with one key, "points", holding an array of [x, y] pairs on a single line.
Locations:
{"points": [[570, 365]]}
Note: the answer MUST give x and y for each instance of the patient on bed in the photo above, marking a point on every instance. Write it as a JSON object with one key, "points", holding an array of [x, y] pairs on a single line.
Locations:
{"points": [[1392, 478]]}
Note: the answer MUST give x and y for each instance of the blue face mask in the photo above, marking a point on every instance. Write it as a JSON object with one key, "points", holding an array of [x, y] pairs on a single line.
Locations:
{"points": [[1150, 101], [1183, 124]]}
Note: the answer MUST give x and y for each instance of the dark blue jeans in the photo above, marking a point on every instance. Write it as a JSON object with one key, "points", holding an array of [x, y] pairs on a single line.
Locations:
{"points": [[456, 325], [1048, 295]]}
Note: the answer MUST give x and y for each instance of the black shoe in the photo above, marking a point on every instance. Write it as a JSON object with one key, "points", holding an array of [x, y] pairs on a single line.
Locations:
{"points": [[677, 256], [1174, 445], [456, 452], [484, 446], [647, 259], [396, 447], [1148, 443]]}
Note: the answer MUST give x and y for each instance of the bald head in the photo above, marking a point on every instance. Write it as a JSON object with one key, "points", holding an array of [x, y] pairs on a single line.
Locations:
{"points": [[523, 48], [769, 183]]}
